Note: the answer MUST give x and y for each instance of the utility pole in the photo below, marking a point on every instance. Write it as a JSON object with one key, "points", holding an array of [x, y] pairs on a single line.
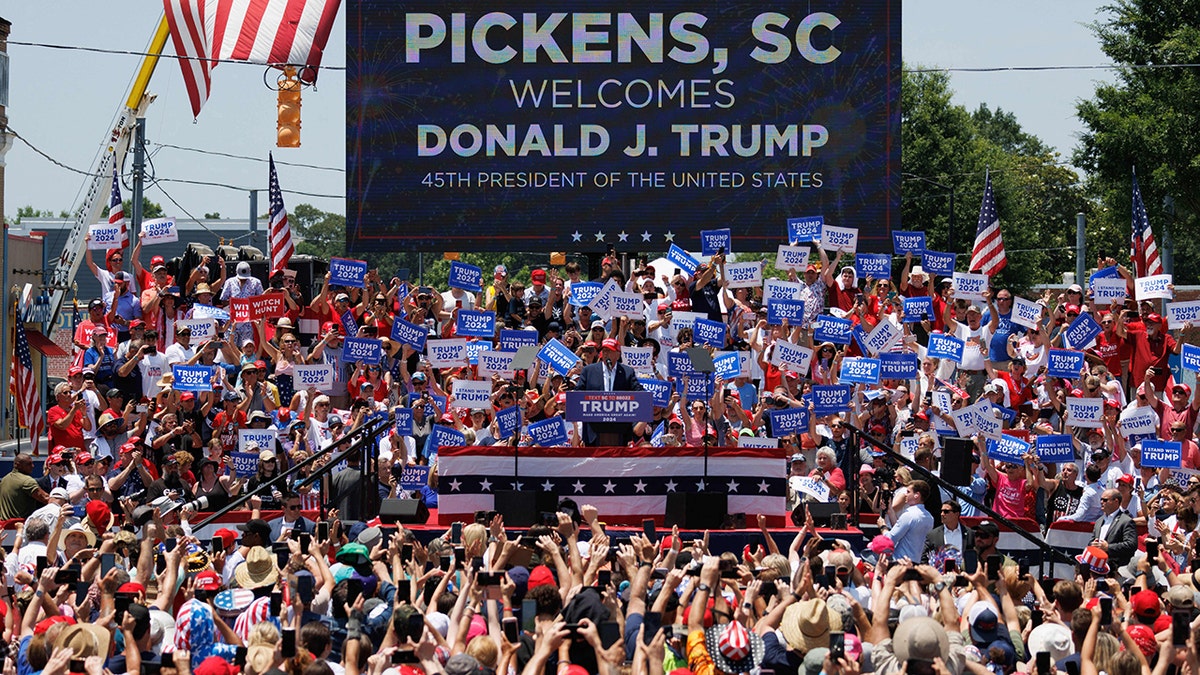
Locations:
{"points": [[254, 221], [139, 176], [1080, 252]]}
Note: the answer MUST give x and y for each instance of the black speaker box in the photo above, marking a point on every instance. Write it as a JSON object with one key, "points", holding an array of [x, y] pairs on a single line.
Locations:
{"points": [[412, 511], [697, 510], [956, 460], [523, 508]]}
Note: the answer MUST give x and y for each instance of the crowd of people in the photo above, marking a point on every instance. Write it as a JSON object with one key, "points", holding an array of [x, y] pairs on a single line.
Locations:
{"points": [[108, 574]]}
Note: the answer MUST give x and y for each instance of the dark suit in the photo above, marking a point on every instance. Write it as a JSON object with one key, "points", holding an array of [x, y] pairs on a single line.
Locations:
{"points": [[591, 378], [1121, 538], [304, 525], [937, 539]]}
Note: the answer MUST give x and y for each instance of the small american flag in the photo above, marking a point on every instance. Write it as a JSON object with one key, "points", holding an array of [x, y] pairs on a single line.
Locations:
{"points": [[280, 237], [1143, 252], [116, 212], [24, 387], [988, 256]]}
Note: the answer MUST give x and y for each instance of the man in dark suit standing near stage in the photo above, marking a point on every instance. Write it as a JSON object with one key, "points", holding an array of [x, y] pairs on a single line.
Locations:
{"points": [[608, 374], [1115, 531], [950, 533]]}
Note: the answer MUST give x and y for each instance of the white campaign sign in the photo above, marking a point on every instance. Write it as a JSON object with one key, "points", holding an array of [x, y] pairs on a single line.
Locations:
{"points": [[319, 377], [943, 402], [265, 438], [201, 329], [640, 359], [883, 337], [744, 274], [630, 305], [794, 356], [1140, 420], [1149, 288], [810, 486], [1107, 291], [159, 231], [104, 237], [969, 286], [496, 363], [843, 239], [756, 442], [446, 353], [1180, 312], [774, 289], [471, 394], [1026, 312], [908, 446], [1085, 412], [792, 257]]}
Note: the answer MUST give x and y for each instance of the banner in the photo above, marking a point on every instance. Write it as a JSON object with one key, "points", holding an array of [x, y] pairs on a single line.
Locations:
{"points": [[936, 263], [410, 334], [805, 230], [792, 258], [943, 346], [475, 323], [103, 236], [756, 442], [682, 259], [601, 303], [788, 421], [640, 359], [716, 241], [744, 274], [349, 325], [1008, 449], [192, 378], [507, 420], [1160, 454], [630, 305], [1064, 363], [549, 432], [201, 330], [791, 311], [710, 333], [470, 394], [832, 329], [784, 353], [1056, 448], [679, 364], [558, 356], [1085, 412], [200, 311], [258, 308], [263, 438], [404, 420], [1190, 357], [159, 231], [814, 487], [699, 387], [610, 406], [969, 286], [443, 437], [873, 266], [319, 377], [465, 277], [347, 272], [1139, 420], [1149, 288], [414, 476], [366, 350], [727, 365], [773, 290], [908, 242], [843, 239], [446, 353], [1026, 312], [859, 370], [1177, 313], [918, 309]]}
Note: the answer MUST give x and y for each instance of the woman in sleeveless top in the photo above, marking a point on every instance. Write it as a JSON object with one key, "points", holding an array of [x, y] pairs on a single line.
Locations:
{"points": [[285, 357], [219, 489]]}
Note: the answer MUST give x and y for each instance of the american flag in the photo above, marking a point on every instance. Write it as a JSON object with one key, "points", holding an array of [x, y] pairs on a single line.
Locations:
{"points": [[280, 237], [116, 212], [1143, 252], [988, 255], [24, 387], [627, 485], [257, 31]]}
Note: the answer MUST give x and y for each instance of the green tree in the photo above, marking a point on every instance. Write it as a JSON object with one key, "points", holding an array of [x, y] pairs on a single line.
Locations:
{"points": [[1146, 119], [149, 209], [322, 234]]}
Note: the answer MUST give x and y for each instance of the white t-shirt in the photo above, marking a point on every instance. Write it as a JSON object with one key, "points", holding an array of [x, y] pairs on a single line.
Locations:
{"points": [[153, 367], [177, 353], [976, 340]]}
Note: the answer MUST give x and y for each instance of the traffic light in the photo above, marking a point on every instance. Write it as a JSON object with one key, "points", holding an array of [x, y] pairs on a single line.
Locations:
{"points": [[288, 126]]}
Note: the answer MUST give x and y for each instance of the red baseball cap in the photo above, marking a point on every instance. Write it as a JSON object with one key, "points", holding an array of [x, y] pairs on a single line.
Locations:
{"points": [[131, 587], [590, 344], [330, 325], [612, 344], [1072, 308], [540, 576], [538, 275], [1187, 391], [156, 260], [228, 536], [208, 580], [74, 370], [99, 514], [261, 365], [45, 624], [1154, 318]]}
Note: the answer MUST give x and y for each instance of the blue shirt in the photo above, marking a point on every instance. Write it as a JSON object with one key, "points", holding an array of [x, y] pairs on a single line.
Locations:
{"points": [[998, 347], [910, 531]]}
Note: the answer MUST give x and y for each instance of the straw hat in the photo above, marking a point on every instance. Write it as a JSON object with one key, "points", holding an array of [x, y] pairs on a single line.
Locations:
{"points": [[805, 625], [258, 570]]}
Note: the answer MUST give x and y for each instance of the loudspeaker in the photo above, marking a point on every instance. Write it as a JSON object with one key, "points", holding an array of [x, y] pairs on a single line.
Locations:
{"points": [[310, 273], [250, 253], [524, 508], [412, 511], [956, 460], [696, 510]]}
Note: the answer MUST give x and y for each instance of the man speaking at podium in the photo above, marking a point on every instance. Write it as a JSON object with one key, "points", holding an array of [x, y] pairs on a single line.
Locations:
{"points": [[608, 374]]}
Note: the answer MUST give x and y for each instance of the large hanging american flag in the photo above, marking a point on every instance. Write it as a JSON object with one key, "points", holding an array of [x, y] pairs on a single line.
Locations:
{"points": [[1143, 252], [24, 386], [257, 31], [627, 485], [116, 212], [280, 234], [988, 254]]}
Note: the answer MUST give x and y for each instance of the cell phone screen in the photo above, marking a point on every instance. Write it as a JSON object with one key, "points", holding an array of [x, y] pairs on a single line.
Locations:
{"points": [[511, 630], [837, 645], [653, 623], [528, 615], [648, 529], [276, 603], [323, 530], [1043, 664], [1180, 627], [287, 647], [406, 553], [1106, 611], [993, 566], [610, 633], [970, 561]]}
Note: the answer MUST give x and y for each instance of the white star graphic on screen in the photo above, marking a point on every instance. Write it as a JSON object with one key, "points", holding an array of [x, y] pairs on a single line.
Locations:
{"points": [[485, 485], [455, 485], [700, 486], [599, 236], [764, 487], [516, 485], [548, 486], [645, 235], [669, 236], [576, 236], [639, 486], [610, 487], [671, 486], [732, 486], [622, 236], [578, 485]]}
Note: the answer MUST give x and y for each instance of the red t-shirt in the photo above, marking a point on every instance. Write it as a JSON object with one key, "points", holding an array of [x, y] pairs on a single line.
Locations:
{"points": [[1112, 350], [1018, 393], [842, 299], [226, 429], [72, 436], [1147, 353]]}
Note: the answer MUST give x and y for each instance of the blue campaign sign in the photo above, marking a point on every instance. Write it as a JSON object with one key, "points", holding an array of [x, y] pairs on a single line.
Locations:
{"points": [[1082, 331], [474, 347], [475, 323], [507, 421], [511, 339], [1104, 273], [558, 356], [1056, 448], [404, 421], [682, 259], [712, 241], [727, 366], [366, 350], [443, 437], [710, 333], [409, 334], [659, 389], [1007, 449], [860, 370], [192, 378], [349, 325], [414, 477], [549, 432], [679, 364], [908, 242], [873, 265], [942, 346], [699, 387], [830, 328], [791, 310], [1162, 454], [1066, 363], [918, 309], [1190, 357], [610, 406], [897, 366], [788, 421], [346, 272], [464, 276], [582, 292], [938, 263], [805, 229], [1007, 414], [830, 398], [860, 337]]}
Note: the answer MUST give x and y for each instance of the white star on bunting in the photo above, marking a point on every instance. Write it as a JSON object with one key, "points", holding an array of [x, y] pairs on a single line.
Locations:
{"points": [[599, 236], [645, 236], [622, 236], [575, 236]]}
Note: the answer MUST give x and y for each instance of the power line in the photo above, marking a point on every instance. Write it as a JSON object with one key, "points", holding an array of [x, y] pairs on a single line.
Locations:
{"points": [[1015, 69], [129, 52], [249, 158]]}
